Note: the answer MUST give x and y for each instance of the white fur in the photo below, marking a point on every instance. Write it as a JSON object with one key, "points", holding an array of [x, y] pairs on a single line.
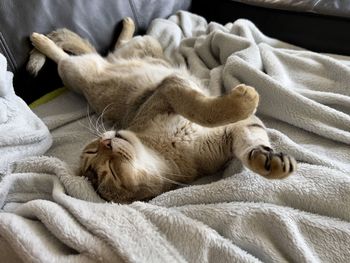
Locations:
{"points": [[149, 161], [146, 159]]}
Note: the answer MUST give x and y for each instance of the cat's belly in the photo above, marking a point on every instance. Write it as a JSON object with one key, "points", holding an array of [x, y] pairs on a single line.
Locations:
{"points": [[174, 127], [196, 150], [140, 74], [143, 74], [171, 134]]}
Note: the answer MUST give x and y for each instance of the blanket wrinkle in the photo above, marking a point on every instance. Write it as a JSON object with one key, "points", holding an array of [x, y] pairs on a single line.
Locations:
{"points": [[22, 132], [48, 214], [198, 233]]}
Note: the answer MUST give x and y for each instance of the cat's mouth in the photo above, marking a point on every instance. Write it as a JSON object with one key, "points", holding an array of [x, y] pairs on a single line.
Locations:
{"points": [[120, 144], [124, 138], [112, 141], [120, 136]]}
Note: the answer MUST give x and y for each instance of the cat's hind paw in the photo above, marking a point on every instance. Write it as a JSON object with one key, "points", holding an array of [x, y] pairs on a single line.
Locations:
{"points": [[128, 22], [40, 41], [266, 162], [47, 47]]}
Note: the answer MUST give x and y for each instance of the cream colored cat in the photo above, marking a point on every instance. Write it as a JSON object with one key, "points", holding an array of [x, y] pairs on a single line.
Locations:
{"points": [[170, 128]]}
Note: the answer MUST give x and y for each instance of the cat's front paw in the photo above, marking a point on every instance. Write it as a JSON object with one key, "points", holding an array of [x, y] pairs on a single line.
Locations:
{"points": [[266, 162], [246, 97]]}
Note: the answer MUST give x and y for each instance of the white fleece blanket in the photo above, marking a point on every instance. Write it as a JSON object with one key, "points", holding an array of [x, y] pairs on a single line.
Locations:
{"points": [[48, 215], [22, 133]]}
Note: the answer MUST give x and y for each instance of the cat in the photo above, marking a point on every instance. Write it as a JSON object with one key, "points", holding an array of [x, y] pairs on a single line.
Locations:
{"points": [[171, 129]]}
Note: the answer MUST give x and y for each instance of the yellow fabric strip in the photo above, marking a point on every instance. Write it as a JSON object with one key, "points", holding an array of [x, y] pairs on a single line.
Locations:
{"points": [[47, 97]]}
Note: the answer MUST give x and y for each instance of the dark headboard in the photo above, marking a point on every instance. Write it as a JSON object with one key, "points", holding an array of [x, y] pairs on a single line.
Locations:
{"points": [[317, 32]]}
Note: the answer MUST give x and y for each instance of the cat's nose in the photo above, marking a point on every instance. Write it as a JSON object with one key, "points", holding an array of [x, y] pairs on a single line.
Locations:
{"points": [[106, 143]]}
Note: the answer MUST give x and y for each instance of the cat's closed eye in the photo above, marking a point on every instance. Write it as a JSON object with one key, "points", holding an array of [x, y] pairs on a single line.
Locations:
{"points": [[91, 151]]}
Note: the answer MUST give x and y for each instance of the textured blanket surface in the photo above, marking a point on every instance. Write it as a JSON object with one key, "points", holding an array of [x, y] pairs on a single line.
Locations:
{"points": [[48, 215], [22, 133]]}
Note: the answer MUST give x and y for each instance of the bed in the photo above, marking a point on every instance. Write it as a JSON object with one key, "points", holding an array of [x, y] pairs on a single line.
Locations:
{"points": [[50, 215]]}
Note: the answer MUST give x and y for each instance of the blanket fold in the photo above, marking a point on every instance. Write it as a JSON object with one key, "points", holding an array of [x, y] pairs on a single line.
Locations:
{"points": [[22, 132], [50, 215]]}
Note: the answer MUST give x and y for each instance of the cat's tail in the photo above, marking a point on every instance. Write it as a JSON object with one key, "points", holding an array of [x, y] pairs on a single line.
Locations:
{"points": [[64, 38]]}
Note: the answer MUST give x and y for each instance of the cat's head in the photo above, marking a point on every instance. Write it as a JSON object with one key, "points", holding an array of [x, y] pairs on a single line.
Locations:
{"points": [[121, 168]]}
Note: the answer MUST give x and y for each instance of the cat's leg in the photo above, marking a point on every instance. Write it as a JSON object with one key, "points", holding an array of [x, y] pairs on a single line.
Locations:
{"points": [[127, 33], [252, 147], [183, 97], [48, 47], [71, 42], [75, 71], [65, 39]]}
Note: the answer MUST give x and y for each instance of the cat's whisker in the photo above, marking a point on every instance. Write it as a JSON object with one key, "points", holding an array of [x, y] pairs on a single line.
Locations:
{"points": [[170, 181], [103, 127], [162, 177], [99, 120], [91, 122], [98, 187], [97, 127], [100, 184], [102, 115], [88, 128]]}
